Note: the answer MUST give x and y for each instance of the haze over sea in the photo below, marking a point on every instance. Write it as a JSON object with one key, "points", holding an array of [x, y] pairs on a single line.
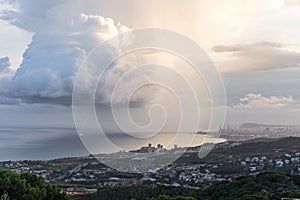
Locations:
{"points": [[43, 143]]}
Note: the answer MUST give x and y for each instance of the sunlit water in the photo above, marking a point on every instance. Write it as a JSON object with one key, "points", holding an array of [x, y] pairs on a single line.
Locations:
{"points": [[22, 143]]}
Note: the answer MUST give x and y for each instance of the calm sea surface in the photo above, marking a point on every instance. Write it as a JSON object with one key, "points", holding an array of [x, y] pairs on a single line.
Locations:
{"points": [[22, 143]]}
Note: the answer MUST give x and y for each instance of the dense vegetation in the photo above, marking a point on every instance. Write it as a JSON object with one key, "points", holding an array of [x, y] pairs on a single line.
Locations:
{"points": [[164, 197], [28, 186], [140, 192], [264, 186]]}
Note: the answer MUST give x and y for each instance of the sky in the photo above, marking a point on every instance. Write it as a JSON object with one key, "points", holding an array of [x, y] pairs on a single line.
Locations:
{"points": [[254, 44]]}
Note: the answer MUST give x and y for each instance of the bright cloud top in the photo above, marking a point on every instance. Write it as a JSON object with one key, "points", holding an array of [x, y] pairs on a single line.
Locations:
{"points": [[53, 58]]}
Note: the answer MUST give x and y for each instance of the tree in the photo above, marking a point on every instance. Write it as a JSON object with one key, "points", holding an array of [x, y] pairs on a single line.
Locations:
{"points": [[265, 194], [164, 197], [296, 179], [5, 196], [27, 186]]}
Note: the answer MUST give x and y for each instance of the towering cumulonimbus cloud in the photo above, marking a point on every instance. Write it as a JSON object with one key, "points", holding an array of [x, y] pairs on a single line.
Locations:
{"points": [[62, 41]]}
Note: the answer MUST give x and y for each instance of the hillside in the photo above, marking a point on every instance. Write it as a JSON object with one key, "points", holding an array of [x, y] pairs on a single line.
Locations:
{"points": [[267, 185]]}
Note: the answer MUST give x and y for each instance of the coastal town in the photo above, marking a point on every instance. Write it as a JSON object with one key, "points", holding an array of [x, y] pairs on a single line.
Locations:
{"points": [[227, 161]]}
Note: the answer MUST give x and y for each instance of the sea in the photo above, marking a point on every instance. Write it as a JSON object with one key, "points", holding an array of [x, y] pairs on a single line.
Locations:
{"points": [[45, 143]]}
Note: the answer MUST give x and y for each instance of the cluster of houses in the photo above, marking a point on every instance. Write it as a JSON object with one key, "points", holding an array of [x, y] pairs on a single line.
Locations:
{"points": [[257, 163], [24, 166], [189, 176]]}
